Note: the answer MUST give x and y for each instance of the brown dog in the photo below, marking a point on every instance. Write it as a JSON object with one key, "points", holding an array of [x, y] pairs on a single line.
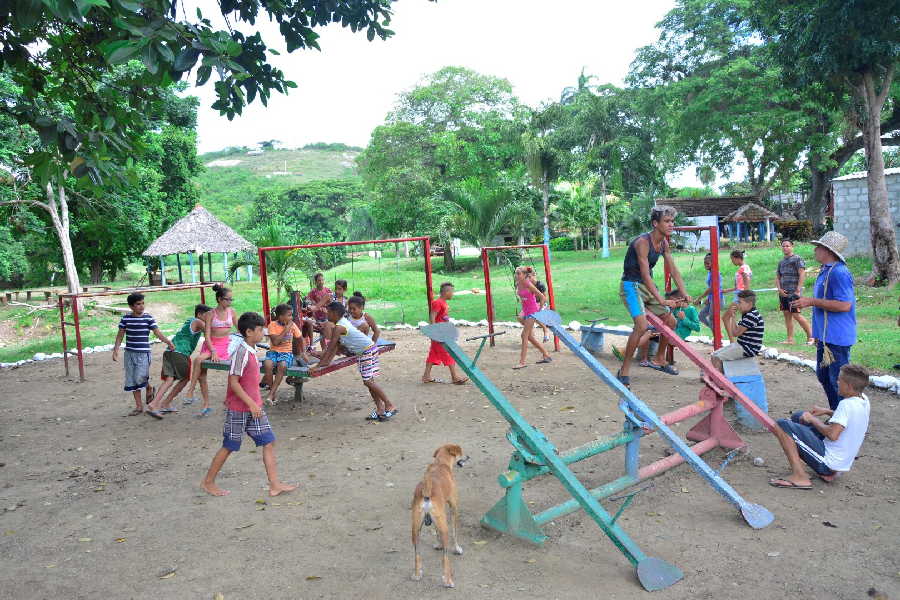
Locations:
{"points": [[433, 495]]}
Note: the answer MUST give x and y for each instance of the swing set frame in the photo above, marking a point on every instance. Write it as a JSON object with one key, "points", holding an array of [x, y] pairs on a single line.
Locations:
{"points": [[264, 277], [489, 298]]}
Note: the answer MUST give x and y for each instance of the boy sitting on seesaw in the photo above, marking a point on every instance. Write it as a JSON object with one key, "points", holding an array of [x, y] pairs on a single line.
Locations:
{"points": [[826, 447], [243, 410], [748, 331], [358, 344], [282, 332]]}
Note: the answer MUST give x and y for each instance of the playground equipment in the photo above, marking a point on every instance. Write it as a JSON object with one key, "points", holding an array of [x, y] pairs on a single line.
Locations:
{"points": [[715, 314], [535, 456], [73, 301], [426, 253], [489, 298]]}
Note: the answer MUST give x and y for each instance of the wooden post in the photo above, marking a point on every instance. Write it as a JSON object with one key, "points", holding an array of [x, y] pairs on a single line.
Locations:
{"points": [[225, 265], [193, 274], [209, 264], [768, 229], [200, 256], [162, 269], [180, 276]]}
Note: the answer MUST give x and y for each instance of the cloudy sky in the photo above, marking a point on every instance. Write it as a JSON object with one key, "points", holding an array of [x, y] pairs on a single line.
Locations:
{"points": [[346, 90]]}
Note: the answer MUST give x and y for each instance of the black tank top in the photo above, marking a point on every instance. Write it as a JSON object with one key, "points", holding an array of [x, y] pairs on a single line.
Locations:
{"points": [[631, 270]]}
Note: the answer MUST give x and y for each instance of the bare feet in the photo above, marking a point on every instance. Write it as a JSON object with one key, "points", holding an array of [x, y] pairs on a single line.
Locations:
{"points": [[213, 490], [827, 478], [280, 488], [519, 366]]}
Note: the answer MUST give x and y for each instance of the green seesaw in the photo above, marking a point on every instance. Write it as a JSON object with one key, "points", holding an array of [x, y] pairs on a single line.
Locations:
{"points": [[535, 455]]}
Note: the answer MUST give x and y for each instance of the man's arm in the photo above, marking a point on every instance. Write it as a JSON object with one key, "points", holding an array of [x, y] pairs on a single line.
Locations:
{"points": [[831, 430], [162, 337], [321, 302], [801, 272], [829, 305], [234, 384], [119, 337], [669, 260], [781, 291]]}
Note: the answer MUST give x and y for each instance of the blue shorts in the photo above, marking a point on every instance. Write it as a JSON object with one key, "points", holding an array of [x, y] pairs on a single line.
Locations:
{"points": [[810, 444], [277, 357], [137, 370], [239, 422], [637, 299]]}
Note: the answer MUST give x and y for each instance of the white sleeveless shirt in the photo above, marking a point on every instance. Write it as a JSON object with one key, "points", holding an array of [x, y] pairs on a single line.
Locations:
{"points": [[355, 340]]}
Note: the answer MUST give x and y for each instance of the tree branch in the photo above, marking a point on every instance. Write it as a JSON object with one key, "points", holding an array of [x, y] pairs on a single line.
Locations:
{"points": [[28, 202], [886, 85]]}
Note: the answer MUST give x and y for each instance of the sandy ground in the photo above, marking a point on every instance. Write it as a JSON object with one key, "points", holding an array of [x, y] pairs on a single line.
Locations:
{"points": [[101, 506]]}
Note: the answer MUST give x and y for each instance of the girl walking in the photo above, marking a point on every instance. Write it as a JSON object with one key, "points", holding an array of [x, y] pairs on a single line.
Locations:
{"points": [[531, 299]]}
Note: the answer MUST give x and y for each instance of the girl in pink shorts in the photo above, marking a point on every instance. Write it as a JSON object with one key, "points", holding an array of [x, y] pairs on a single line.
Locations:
{"points": [[217, 333]]}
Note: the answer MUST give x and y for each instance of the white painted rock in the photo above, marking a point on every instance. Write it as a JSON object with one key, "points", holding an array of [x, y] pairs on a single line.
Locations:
{"points": [[422, 324], [575, 326], [770, 353], [39, 356]]}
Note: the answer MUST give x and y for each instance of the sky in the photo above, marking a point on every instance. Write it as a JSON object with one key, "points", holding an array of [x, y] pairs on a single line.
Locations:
{"points": [[347, 89]]}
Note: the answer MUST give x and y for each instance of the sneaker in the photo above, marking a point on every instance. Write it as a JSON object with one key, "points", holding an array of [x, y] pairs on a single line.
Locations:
{"points": [[204, 412], [373, 416]]}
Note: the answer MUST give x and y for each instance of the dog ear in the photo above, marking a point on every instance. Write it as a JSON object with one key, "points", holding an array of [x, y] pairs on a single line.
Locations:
{"points": [[454, 450]]}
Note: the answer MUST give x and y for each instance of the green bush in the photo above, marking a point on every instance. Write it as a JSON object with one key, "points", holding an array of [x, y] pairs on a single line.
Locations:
{"points": [[801, 231], [562, 243]]}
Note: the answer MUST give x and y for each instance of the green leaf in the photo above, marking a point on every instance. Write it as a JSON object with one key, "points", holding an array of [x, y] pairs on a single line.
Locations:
{"points": [[109, 122], [123, 53], [130, 5], [203, 74], [165, 52], [150, 59], [233, 49], [27, 12], [85, 5], [186, 59]]}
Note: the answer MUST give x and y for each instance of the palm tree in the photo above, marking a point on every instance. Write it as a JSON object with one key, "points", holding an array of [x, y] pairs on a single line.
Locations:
{"points": [[542, 169], [569, 93], [282, 266], [481, 210]]}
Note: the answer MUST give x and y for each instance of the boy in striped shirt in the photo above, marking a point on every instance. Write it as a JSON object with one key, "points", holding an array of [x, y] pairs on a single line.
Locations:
{"points": [[748, 331], [135, 328]]}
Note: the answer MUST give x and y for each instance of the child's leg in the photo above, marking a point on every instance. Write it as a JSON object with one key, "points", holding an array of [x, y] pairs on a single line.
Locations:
{"points": [[275, 485], [379, 397], [426, 376], [195, 369], [798, 474], [209, 482], [176, 389], [455, 375], [138, 405], [534, 341], [267, 374], [204, 390], [663, 342], [160, 392], [327, 328], [280, 370], [644, 346]]}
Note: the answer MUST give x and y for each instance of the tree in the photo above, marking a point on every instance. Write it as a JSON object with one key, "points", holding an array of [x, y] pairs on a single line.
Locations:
{"points": [[481, 210], [582, 85], [311, 209], [541, 157], [61, 57], [848, 47]]}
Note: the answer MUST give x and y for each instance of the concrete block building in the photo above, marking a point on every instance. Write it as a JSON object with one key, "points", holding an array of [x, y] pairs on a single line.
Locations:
{"points": [[851, 208]]}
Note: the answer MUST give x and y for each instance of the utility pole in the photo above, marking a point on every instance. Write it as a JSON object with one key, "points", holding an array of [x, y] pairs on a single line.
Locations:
{"points": [[603, 226]]}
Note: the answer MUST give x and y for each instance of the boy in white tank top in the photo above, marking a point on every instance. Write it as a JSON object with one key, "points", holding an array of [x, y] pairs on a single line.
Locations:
{"points": [[360, 345]]}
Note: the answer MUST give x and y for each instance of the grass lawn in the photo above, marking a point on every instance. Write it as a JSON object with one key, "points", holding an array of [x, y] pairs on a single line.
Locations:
{"points": [[585, 288]]}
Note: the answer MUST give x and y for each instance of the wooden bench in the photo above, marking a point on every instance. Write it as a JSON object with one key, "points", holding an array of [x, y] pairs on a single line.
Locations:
{"points": [[297, 375]]}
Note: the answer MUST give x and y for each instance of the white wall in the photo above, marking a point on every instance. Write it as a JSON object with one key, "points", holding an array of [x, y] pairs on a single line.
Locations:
{"points": [[689, 239]]}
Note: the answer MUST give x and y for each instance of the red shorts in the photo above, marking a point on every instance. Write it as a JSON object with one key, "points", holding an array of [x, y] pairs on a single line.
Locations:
{"points": [[438, 355]]}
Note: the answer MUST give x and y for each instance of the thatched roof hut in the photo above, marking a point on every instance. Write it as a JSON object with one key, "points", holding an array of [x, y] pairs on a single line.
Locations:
{"points": [[752, 213], [198, 232]]}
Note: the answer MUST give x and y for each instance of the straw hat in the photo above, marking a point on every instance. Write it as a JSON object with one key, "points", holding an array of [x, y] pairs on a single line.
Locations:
{"points": [[835, 242]]}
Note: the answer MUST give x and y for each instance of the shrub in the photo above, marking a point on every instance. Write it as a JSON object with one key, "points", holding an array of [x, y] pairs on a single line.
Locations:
{"points": [[801, 231], [562, 243]]}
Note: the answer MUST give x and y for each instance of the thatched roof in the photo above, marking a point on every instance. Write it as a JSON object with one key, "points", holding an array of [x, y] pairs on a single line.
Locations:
{"points": [[752, 213], [198, 232], [702, 207]]}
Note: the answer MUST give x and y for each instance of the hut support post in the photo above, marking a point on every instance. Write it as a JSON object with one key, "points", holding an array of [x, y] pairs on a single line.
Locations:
{"points": [[193, 273], [224, 266], [180, 276], [162, 269], [209, 264], [768, 229], [200, 256]]}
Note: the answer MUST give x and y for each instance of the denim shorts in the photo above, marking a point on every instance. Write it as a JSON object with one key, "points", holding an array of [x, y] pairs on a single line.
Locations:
{"points": [[137, 370]]}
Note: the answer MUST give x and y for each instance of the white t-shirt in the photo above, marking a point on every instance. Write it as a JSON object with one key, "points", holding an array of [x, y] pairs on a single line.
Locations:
{"points": [[853, 414], [355, 340]]}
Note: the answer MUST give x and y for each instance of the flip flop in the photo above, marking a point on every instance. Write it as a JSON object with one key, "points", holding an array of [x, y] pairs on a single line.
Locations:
{"points": [[544, 361], [168, 410], [155, 414], [135, 412], [204, 412], [625, 379], [517, 367], [461, 381], [373, 416], [435, 380], [188, 401], [788, 485], [665, 368]]}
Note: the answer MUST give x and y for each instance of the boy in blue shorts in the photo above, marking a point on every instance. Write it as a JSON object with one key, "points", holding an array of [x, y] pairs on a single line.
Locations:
{"points": [[135, 328], [282, 333], [243, 410], [828, 448]]}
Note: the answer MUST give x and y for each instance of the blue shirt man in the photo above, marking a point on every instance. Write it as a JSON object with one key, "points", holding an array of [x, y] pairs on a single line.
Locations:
{"points": [[834, 313]]}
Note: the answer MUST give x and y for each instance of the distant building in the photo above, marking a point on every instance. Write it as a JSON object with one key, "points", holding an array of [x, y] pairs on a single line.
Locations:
{"points": [[739, 218], [851, 208]]}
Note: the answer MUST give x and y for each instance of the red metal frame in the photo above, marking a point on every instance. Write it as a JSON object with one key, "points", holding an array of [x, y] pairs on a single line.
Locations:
{"points": [[489, 299], [714, 279], [61, 301], [264, 278]]}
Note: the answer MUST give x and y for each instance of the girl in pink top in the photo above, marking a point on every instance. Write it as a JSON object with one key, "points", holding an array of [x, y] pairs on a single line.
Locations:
{"points": [[217, 332], [531, 299], [742, 278]]}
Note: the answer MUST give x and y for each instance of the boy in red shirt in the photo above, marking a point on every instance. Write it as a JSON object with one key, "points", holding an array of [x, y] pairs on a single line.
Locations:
{"points": [[243, 410], [438, 355]]}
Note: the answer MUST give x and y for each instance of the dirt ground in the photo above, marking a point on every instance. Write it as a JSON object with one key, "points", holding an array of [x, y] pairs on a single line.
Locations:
{"points": [[95, 505]]}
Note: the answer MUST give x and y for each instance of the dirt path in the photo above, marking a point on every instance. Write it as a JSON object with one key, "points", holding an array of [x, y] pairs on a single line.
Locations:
{"points": [[98, 505]]}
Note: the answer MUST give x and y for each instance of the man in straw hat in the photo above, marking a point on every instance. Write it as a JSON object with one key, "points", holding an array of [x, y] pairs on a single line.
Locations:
{"points": [[834, 313]]}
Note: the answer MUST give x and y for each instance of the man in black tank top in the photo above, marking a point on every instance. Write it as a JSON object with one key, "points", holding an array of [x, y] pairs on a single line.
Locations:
{"points": [[639, 293]]}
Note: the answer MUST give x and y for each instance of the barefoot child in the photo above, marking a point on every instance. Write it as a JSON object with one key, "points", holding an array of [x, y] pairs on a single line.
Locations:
{"points": [[282, 332], [177, 363], [243, 410], [135, 327], [748, 331], [357, 344], [359, 318], [437, 354], [827, 448]]}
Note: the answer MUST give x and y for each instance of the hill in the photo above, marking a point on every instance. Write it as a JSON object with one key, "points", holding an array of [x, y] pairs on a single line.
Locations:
{"points": [[234, 177]]}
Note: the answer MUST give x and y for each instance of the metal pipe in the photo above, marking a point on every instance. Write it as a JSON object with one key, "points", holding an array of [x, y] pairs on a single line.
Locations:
{"points": [[664, 464], [716, 287], [429, 285], [264, 283], [486, 267], [587, 450], [686, 412], [78, 339], [351, 243], [549, 277], [62, 329]]}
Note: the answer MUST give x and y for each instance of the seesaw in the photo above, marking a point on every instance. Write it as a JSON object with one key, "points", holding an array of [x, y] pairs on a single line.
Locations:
{"points": [[535, 456]]}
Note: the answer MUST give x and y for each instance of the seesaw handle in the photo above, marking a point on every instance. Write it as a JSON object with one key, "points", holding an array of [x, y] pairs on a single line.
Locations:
{"points": [[488, 335]]}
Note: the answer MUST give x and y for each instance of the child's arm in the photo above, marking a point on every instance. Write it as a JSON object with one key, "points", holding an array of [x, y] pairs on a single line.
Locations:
{"points": [[207, 333], [431, 316], [746, 279], [162, 337], [332, 348], [830, 430], [119, 337], [276, 339], [234, 384], [692, 319], [537, 293], [373, 326]]}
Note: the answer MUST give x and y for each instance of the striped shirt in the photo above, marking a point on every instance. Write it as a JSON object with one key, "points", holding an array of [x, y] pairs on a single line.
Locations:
{"points": [[751, 340], [137, 331]]}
